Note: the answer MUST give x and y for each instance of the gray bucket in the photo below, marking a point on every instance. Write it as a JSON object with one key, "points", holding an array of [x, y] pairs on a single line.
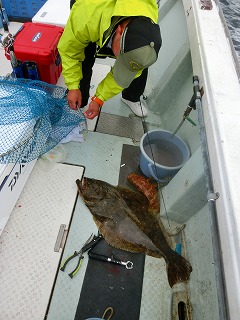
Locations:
{"points": [[162, 154]]}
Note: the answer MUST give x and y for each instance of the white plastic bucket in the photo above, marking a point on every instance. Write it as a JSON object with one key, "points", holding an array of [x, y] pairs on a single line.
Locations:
{"points": [[162, 154]]}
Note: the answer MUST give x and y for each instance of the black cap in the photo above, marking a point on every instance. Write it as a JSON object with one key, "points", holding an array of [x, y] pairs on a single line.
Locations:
{"points": [[140, 44]]}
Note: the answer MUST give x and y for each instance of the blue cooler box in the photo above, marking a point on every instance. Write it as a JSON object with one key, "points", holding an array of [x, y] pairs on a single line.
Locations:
{"points": [[22, 10]]}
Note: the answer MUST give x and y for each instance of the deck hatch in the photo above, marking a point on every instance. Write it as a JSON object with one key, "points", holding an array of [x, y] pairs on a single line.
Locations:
{"points": [[128, 127]]}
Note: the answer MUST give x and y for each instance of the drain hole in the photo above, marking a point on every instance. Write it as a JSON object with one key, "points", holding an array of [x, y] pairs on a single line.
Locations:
{"points": [[182, 314]]}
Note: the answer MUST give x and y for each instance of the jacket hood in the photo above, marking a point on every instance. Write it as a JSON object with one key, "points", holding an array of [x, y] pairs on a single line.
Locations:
{"points": [[127, 8]]}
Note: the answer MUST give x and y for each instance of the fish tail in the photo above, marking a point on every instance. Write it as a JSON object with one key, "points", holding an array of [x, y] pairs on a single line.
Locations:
{"points": [[178, 268]]}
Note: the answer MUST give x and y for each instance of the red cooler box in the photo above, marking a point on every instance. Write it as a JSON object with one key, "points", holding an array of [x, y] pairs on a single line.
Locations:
{"points": [[38, 42]]}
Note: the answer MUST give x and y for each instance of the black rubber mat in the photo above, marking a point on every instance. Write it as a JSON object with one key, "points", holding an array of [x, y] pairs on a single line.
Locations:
{"points": [[129, 164], [110, 285]]}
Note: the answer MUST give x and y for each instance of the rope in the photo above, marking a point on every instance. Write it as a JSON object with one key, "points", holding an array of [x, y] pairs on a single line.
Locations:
{"points": [[110, 310]]}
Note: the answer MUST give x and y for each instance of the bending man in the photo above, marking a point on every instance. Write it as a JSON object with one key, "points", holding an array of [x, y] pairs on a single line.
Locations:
{"points": [[126, 30]]}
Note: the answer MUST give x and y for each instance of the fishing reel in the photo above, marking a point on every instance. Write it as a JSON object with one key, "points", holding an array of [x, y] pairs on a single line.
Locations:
{"points": [[6, 39]]}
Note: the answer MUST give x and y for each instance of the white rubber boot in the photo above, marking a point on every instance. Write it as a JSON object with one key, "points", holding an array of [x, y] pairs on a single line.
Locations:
{"points": [[138, 109]]}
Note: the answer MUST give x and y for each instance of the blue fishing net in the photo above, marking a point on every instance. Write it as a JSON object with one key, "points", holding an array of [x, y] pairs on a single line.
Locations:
{"points": [[34, 118]]}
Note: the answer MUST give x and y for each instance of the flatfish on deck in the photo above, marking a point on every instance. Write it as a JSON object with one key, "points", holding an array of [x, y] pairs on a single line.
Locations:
{"points": [[123, 218]]}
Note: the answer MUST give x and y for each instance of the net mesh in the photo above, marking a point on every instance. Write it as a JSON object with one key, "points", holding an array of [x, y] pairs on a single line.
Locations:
{"points": [[34, 118]]}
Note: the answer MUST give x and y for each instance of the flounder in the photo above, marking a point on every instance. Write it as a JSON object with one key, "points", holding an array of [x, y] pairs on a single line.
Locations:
{"points": [[123, 218]]}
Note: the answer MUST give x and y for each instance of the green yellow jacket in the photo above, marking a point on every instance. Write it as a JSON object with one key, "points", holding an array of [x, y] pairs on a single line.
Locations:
{"points": [[90, 21]]}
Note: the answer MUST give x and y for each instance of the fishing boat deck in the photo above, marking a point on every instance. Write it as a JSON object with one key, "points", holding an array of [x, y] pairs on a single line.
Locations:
{"points": [[100, 155], [40, 289]]}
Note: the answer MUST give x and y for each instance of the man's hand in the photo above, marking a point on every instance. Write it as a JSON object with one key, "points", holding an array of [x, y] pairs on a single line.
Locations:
{"points": [[93, 110], [74, 98]]}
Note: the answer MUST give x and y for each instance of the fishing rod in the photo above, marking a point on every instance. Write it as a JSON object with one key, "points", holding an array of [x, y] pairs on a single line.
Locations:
{"points": [[7, 40], [153, 158], [191, 106], [6, 36], [4, 22]]}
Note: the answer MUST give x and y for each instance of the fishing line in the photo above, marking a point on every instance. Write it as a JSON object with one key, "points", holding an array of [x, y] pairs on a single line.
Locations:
{"points": [[154, 162]]}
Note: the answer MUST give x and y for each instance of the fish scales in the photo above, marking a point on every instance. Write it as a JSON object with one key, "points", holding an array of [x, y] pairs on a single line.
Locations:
{"points": [[122, 217], [114, 218]]}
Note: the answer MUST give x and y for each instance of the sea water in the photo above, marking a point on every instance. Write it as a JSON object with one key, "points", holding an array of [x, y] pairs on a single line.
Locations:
{"points": [[164, 153], [231, 12]]}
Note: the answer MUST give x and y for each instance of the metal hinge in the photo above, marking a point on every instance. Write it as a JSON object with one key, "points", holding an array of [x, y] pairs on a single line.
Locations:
{"points": [[61, 238]]}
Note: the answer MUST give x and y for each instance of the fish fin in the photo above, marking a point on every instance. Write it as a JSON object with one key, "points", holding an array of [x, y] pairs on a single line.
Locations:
{"points": [[135, 201], [178, 268], [132, 196], [120, 243], [112, 238]]}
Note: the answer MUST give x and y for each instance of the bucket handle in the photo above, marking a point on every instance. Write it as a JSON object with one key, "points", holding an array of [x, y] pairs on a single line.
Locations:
{"points": [[165, 180]]}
